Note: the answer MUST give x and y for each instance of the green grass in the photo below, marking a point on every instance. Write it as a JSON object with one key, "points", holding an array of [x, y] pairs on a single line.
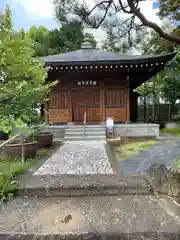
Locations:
{"points": [[14, 167], [172, 131], [130, 149], [9, 171]]}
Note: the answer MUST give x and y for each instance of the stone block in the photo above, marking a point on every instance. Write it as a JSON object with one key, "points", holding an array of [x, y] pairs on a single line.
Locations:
{"points": [[163, 180], [132, 130]]}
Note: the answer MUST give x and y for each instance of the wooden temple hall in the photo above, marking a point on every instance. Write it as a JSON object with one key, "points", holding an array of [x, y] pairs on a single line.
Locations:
{"points": [[99, 83]]}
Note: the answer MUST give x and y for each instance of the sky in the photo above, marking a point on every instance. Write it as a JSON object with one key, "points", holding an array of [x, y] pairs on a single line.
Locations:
{"points": [[40, 12], [26, 13]]}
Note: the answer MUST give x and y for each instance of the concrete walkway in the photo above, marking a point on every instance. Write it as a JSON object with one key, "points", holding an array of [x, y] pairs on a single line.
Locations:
{"points": [[82, 157], [164, 152], [134, 216]]}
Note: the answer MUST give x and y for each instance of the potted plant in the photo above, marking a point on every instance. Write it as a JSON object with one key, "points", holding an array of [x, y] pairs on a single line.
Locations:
{"points": [[13, 150], [44, 139]]}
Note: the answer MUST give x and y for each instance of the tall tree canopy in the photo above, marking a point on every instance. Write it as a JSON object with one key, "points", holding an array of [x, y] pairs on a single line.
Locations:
{"points": [[67, 38], [166, 84], [123, 13], [22, 77]]}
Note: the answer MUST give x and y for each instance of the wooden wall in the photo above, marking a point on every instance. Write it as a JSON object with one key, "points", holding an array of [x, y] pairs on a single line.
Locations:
{"points": [[110, 97], [116, 103], [58, 106]]}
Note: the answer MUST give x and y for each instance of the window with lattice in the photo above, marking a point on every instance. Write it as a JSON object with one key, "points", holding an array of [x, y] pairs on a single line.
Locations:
{"points": [[116, 97], [58, 99]]}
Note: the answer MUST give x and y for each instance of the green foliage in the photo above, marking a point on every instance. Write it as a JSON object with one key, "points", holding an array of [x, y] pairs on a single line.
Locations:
{"points": [[171, 81], [9, 170], [170, 8], [8, 187], [23, 78], [166, 83], [177, 167], [14, 167], [67, 38], [42, 153]]}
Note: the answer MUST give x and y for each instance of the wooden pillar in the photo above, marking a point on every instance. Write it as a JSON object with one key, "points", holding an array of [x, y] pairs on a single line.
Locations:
{"points": [[102, 104], [69, 106], [46, 112], [128, 102]]}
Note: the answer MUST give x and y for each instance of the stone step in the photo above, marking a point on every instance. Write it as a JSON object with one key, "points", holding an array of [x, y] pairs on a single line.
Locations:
{"points": [[89, 126], [94, 128], [86, 133], [82, 185], [90, 218], [82, 138], [86, 129]]}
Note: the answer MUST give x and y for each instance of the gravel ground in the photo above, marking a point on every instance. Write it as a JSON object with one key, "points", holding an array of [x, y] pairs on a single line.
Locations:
{"points": [[87, 157], [164, 152]]}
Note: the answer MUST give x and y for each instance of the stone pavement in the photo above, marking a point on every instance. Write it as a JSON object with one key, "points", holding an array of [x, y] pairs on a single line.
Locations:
{"points": [[83, 157], [107, 214], [164, 152]]}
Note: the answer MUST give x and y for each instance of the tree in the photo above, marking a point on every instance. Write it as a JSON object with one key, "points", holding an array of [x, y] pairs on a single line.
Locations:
{"points": [[110, 9], [40, 37], [112, 42], [171, 81], [22, 77], [166, 84], [170, 9], [68, 37]]}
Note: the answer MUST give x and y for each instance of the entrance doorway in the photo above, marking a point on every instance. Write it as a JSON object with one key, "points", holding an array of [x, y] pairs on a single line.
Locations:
{"points": [[86, 100]]}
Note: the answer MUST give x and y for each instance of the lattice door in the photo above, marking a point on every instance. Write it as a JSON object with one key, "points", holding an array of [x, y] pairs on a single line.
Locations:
{"points": [[86, 100]]}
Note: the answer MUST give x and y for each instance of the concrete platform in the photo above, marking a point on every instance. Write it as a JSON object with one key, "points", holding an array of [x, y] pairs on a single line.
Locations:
{"points": [[82, 185], [131, 217]]}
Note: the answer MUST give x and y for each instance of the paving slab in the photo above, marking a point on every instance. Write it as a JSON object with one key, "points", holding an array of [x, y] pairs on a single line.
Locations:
{"points": [[86, 157], [109, 214]]}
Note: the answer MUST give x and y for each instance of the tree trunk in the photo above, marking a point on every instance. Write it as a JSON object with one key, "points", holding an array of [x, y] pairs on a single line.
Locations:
{"points": [[145, 109], [169, 112], [154, 99]]}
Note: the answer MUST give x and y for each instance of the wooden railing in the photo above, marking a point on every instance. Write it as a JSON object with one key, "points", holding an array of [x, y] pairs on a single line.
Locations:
{"points": [[13, 138], [85, 125]]}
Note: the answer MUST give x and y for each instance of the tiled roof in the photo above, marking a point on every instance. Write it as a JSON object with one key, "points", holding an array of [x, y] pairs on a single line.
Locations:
{"points": [[93, 55]]}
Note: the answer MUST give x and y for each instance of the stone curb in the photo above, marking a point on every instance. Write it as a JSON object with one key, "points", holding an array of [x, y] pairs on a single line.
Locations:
{"points": [[91, 236], [83, 185]]}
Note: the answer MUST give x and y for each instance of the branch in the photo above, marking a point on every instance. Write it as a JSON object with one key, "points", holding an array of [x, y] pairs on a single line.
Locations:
{"points": [[104, 16], [152, 25], [124, 8], [98, 5], [6, 100]]}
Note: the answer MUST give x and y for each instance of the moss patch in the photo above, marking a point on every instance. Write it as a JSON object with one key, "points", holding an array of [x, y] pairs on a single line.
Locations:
{"points": [[177, 165], [172, 131], [128, 150]]}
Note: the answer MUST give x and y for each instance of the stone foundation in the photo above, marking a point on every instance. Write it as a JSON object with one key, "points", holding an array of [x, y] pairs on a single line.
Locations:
{"points": [[142, 131]]}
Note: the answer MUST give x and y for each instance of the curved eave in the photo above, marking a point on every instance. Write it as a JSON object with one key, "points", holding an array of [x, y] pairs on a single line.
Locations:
{"points": [[141, 60]]}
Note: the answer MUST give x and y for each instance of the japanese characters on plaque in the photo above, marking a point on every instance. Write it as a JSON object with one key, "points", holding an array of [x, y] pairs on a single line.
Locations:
{"points": [[87, 83]]}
